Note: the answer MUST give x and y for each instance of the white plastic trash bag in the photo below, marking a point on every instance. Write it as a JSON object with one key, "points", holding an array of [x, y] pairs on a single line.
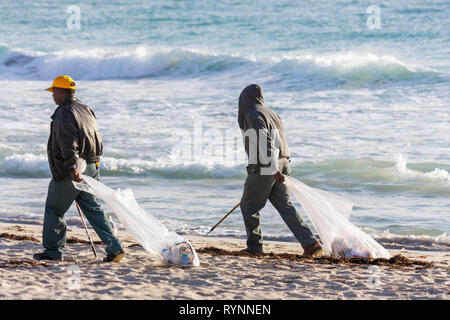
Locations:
{"points": [[141, 225], [329, 215]]}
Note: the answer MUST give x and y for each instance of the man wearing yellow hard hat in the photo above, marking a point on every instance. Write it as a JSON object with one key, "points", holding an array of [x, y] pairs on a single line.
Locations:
{"points": [[74, 140]]}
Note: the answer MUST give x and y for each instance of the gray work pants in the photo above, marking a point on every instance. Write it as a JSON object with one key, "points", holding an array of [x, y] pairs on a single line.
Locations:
{"points": [[257, 189]]}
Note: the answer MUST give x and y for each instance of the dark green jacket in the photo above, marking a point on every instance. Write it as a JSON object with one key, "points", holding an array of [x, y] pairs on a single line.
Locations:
{"points": [[74, 134]]}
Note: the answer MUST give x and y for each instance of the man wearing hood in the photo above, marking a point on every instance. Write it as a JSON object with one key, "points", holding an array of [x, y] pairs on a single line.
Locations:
{"points": [[268, 162]]}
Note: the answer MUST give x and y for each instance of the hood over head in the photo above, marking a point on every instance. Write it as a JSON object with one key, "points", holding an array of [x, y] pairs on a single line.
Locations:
{"points": [[250, 99]]}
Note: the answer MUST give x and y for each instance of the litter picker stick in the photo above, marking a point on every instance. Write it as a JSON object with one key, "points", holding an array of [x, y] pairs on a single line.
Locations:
{"points": [[223, 218], [87, 232]]}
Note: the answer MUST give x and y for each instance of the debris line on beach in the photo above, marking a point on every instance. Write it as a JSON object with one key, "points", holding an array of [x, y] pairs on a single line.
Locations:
{"points": [[75, 240], [17, 237], [395, 261], [15, 263], [71, 240]]}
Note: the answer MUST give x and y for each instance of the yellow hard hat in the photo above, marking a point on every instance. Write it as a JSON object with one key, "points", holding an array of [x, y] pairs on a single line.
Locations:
{"points": [[64, 82]]}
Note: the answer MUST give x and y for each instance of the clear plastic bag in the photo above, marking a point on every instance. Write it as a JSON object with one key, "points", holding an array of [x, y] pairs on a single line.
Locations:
{"points": [[141, 225], [329, 215], [182, 254]]}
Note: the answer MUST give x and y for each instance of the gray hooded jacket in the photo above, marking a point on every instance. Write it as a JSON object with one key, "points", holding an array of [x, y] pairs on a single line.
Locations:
{"points": [[74, 134], [253, 114]]}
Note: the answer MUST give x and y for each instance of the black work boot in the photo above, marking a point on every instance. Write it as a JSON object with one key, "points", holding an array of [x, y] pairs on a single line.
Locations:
{"points": [[253, 252], [115, 256], [45, 256]]}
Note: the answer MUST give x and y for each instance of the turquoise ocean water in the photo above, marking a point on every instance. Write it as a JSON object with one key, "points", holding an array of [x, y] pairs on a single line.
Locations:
{"points": [[365, 105]]}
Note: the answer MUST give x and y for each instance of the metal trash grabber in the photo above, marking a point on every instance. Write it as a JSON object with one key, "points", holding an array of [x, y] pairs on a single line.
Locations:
{"points": [[220, 221], [87, 232]]}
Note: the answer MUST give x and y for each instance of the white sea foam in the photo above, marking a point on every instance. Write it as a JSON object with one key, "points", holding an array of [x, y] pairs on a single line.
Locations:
{"points": [[414, 242], [437, 175], [172, 168], [31, 165], [362, 170], [98, 64], [24, 165]]}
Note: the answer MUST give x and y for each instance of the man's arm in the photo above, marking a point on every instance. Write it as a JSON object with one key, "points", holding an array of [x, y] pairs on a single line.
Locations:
{"points": [[259, 124]]}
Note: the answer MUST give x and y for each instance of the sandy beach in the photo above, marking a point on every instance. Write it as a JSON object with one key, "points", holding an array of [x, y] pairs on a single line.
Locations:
{"points": [[220, 276]]}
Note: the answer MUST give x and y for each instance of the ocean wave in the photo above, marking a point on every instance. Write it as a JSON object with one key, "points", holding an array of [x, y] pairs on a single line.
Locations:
{"points": [[99, 64], [345, 69], [414, 242], [36, 166], [361, 173], [348, 69], [379, 175], [25, 166], [437, 174], [167, 169], [4, 149]]}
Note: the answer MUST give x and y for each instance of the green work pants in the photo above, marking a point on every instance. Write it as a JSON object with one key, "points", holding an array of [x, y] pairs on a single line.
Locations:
{"points": [[60, 197]]}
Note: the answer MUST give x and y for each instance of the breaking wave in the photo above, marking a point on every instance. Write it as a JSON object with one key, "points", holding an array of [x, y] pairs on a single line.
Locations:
{"points": [[360, 173], [36, 166], [342, 69]]}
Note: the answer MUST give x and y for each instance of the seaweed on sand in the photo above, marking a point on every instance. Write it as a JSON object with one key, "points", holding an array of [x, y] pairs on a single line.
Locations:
{"points": [[395, 261], [17, 237]]}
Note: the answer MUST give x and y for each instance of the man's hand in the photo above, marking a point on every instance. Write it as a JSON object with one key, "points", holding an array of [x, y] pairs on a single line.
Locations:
{"points": [[279, 177], [75, 176]]}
